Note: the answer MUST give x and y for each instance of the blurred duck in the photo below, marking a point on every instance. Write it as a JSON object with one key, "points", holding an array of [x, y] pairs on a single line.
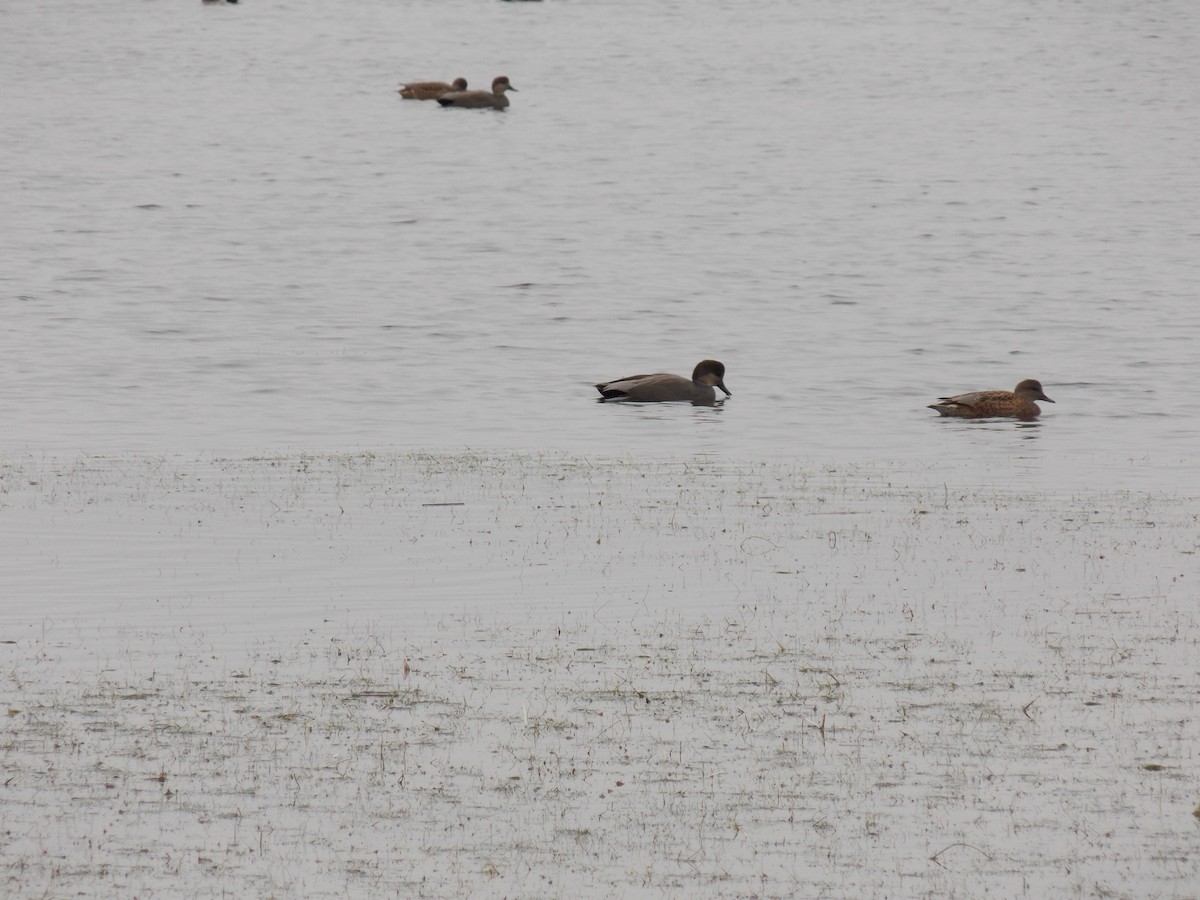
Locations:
{"points": [[661, 387], [494, 98], [1016, 404], [430, 90]]}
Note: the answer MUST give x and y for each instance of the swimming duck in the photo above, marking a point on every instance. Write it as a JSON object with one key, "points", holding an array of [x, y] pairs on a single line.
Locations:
{"points": [[430, 90], [661, 387], [480, 99], [1017, 404]]}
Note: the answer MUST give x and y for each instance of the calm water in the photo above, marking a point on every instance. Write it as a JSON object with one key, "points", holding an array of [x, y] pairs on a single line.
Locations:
{"points": [[226, 233], [233, 258]]}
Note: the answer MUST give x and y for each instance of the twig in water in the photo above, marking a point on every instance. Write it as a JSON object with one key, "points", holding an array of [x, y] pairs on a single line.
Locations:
{"points": [[935, 856]]}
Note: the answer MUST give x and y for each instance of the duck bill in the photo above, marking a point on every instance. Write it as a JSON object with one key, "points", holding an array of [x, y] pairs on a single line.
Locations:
{"points": [[728, 393], [1044, 397]]}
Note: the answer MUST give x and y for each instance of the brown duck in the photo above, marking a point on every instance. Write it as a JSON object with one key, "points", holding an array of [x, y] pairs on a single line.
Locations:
{"points": [[430, 90], [661, 387], [1016, 404]]}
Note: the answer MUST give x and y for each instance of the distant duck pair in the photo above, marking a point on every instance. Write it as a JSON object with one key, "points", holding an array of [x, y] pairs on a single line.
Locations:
{"points": [[709, 374], [456, 93]]}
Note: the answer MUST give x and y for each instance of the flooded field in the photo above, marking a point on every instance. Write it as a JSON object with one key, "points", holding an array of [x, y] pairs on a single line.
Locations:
{"points": [[544, 675]]}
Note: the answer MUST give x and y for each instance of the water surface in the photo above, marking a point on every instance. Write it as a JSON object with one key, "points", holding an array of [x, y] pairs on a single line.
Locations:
{"points": [[228, 233], [298, 390]]}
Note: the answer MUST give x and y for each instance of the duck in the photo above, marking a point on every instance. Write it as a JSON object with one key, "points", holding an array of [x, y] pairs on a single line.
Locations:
{"points": [[430, 90], [661, 387], [480, 99], [1016, 404]]}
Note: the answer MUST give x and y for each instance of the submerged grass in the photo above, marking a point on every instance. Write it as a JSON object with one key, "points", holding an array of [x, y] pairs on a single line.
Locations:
{"points": [[694, 757]]}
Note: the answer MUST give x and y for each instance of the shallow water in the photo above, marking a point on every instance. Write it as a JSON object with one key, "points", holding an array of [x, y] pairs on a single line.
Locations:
{"points": [[234, 237], [508, 674], [242, 546]]}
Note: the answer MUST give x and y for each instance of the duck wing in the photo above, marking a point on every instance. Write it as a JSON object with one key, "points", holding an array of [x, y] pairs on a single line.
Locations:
{"points": [[975, 399], [621, 387]]}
